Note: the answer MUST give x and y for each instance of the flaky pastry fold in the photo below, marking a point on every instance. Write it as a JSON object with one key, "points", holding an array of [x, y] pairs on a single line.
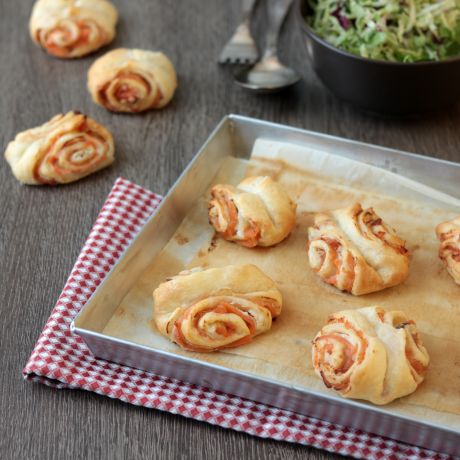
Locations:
{"points": [[355, 251], [63, 150], [370, 354], [448, 234], [209, 310], [258, 212]]}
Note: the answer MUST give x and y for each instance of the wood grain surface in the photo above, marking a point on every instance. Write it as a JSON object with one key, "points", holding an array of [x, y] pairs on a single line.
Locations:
{"points": [[43, 229]]}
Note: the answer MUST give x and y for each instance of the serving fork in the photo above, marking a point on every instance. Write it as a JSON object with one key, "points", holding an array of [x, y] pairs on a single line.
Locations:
{"points": [[241, 48]]}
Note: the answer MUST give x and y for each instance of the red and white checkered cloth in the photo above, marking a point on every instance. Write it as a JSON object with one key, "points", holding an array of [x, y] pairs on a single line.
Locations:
{"points": [[62, 360]]}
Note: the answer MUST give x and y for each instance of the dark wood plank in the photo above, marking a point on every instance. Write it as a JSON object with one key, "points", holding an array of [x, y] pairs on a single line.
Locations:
{"points": [[42, 229]]}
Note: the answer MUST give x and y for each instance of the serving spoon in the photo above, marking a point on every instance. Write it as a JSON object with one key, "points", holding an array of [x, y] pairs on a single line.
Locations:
{"points": [[269, 75]]}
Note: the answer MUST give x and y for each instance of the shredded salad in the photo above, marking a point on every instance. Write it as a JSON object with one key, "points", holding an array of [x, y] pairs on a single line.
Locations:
{"points": [[390, 30]]}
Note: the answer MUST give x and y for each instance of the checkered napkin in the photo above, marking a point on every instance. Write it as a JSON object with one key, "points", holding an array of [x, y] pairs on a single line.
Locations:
{"points": [[61, 359]]}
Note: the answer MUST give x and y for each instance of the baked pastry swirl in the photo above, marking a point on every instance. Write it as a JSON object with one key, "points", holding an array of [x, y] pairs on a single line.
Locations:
{"points": [[448, 234], [208, 310], [258, 212], [63, 150], [355, 251], [132, 80], [370, 354], [72, 28]]}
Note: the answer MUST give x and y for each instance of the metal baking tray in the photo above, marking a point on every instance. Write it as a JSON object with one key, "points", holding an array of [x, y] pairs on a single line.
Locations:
{"points": [[235, 135]]}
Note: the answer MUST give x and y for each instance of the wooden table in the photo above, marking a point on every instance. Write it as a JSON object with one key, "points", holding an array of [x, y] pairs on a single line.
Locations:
{"points": [[43, 229]]}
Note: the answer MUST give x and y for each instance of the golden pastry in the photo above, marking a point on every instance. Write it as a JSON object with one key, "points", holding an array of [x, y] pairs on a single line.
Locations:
{"points": [[208, 310], [448, 234], [258, 212], [370, 354], [72, 28], [355, 251], [63, 150], [132, 80]]}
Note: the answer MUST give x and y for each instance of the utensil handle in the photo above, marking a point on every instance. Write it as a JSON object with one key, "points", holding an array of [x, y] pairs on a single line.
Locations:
{"points": [[277, 12], [246, 10]]}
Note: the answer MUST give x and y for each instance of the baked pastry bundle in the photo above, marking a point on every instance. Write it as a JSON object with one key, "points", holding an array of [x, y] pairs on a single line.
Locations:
{"points": [[257, 212], [72, 28], [132, 80], [370, 354], [65, 149], [366, 353], [355, 251], [448, 234], [208, 310]]}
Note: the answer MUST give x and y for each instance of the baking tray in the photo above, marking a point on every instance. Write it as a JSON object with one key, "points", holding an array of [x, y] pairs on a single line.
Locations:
{"points": [[235, 136]]}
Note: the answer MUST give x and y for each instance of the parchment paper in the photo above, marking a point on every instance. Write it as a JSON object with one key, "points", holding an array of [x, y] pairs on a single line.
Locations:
{"points": [[320, 181]]}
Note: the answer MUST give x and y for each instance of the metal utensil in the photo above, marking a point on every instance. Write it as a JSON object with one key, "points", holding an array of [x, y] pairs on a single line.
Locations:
{"points": [[241, 48], [270, 75]]}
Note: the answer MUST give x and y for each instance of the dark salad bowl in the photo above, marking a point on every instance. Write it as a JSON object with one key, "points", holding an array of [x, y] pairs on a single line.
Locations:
{"points": [[383, 87]]}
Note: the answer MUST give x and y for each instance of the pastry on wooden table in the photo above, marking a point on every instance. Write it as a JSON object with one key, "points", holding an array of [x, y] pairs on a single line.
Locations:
{"points": [[370, 354], [72, 28], [257, 212], [65, 149], [448, 234], [209, 310], [132, 80], [355, 251]]}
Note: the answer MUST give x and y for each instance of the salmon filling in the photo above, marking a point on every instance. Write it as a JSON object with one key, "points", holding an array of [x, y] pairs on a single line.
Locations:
{"points": [[270, 304], [223, 329], [130, 94], [77, 155], [230, 214], [344, 276], [335, 355], [61, 41], [128, 89], [227, 207], [453, 250], [251, 235]]}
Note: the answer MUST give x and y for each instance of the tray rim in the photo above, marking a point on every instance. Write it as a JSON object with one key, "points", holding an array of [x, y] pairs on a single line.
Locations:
{"points": [[326, 397], [229, 121], [321, 135]]}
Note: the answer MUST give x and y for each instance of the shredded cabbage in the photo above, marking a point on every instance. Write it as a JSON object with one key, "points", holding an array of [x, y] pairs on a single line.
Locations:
{"points": [[390, 30]]}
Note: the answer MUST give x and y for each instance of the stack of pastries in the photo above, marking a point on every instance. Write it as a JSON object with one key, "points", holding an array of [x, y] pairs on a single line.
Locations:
{"points": [[367, 353], [72, 146], [208, 310]]}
